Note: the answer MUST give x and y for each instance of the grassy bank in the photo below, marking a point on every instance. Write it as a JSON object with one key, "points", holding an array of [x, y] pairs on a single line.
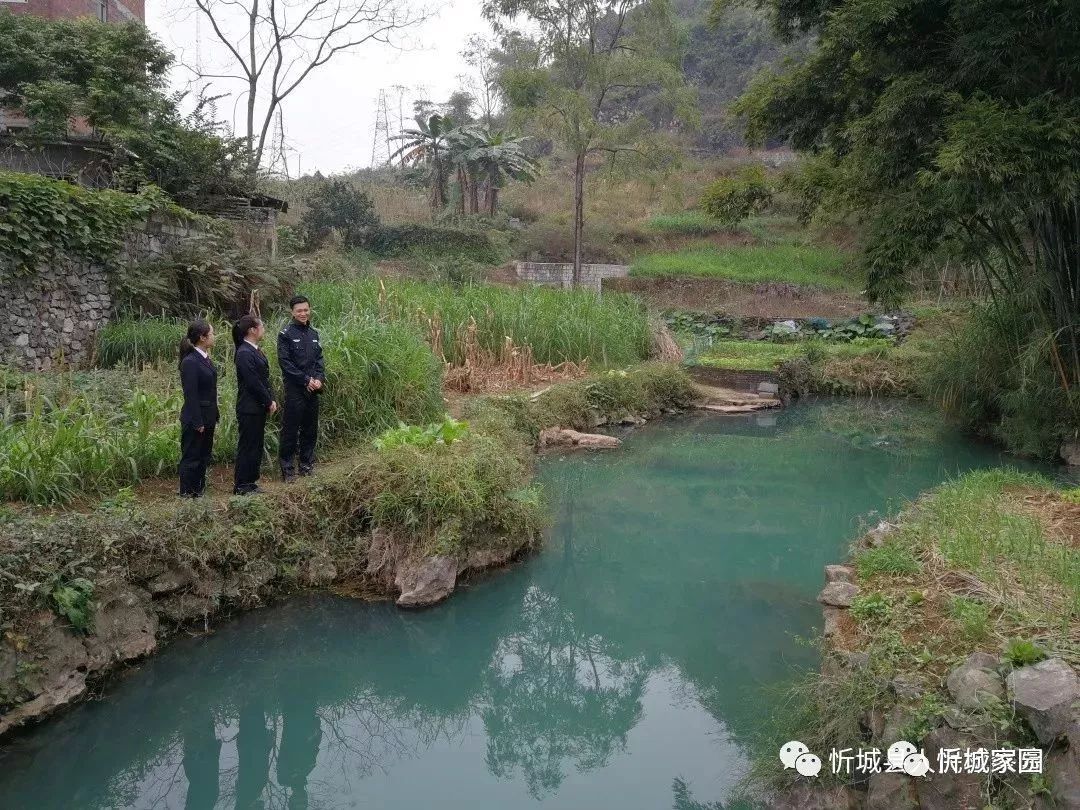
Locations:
{"points": [[989, 562], [470, 492], [814, 266]]}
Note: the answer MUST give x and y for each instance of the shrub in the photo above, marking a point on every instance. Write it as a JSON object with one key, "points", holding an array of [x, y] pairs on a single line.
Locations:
{"points": [[732, 199], [396, 240], [337, 205]]}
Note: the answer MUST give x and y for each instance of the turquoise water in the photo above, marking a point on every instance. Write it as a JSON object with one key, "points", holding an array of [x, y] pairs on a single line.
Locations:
{"points": [[629, 665]]}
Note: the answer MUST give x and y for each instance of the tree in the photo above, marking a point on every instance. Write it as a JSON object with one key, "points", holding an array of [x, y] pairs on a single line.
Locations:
{"points": [[484, 83], [589, 57], [273, 46], [426, 146], [953, 126], [335, 204], [105, 82], [488, 159]]}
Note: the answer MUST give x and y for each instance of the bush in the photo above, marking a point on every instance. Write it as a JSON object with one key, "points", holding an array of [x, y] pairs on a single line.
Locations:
{"points": [[997, 376], [338, 205], [397, 240], [732, 199]]}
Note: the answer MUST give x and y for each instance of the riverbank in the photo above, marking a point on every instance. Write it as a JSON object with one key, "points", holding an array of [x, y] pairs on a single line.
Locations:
{"points": [[955, 627], [84, 592]]}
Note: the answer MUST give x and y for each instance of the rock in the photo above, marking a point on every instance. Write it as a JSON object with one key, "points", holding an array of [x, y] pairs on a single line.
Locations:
{"points": [[1044, 694], [22, 340], [975, 684], [427, 583], [873, 721], [318, 571], [877, 535], [46, 703], [814, 797], [833, 621], [768, 389], [891, 791], [1069, 453], [838, 594], [839, 573], [907, 687], [949, 791], [898, 718], [1062, 771], [565, 437], [181, 608], [173, 578], [482, 558], [124, 627], [594, 419], [631, 419]]}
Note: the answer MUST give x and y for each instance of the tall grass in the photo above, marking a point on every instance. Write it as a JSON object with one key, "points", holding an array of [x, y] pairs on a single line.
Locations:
{"points": [[687, 223], [796, 264], [137, 342], [609, 330]]}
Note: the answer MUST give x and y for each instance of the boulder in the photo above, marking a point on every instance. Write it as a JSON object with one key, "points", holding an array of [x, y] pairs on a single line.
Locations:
{"points": [[426, 583], [124, 626], [907, 687], [839, 573], [898, 718], [949, 791], [175, 577], [481, 558], [1062, 771], [891, 791], [814, 797], [631, 419], [876, 536], [565, 437], [318, 571], [975, 684], [838, 594], [1044, 694]]}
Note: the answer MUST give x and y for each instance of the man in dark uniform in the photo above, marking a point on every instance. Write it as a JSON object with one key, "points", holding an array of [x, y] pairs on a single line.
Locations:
{"points": [[301, 359]]}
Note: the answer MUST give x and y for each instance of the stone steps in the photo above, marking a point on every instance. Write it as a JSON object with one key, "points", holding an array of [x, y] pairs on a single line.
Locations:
{"points": [[726, 400]]}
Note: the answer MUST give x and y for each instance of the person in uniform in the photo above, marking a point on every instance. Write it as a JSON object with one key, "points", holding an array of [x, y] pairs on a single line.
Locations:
{"points": [[301, 359], [199, 414], [254, 402]]}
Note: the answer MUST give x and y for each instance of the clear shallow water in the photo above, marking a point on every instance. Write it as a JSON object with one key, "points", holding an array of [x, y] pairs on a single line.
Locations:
{"points": [[636, 650]]}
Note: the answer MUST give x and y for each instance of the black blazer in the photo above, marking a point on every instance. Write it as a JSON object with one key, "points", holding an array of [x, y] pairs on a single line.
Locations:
{"points": [[198, 378], [253, 391]]}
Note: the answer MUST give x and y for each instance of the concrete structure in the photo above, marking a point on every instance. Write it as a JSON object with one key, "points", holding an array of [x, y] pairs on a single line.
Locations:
{"points": [[562, 274]]}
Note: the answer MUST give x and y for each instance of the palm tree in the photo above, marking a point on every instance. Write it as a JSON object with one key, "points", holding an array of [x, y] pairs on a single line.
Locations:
{"points": [[427, 144], [490, 157]]}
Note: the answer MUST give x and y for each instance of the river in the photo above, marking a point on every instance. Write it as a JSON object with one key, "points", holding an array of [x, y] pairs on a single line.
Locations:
{"points": [[629, 665]]}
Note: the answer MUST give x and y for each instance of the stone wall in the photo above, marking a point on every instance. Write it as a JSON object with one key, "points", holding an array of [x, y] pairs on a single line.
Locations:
{"points": [[51, 317], [562, 274]]}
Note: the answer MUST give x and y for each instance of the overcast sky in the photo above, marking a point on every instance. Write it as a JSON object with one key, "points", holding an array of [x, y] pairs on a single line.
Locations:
{"points": [[330, 119]]}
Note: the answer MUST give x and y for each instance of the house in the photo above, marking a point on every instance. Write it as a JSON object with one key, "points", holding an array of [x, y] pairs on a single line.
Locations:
{"points": [[104, 10]]}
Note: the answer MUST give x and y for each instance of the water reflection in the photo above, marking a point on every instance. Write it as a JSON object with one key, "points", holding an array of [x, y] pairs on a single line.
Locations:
{"points": [[621, 668]]}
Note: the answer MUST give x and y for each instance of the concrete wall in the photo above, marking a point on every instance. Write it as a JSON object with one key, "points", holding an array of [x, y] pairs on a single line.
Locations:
{"points": [[51, 317], [562, 275]]}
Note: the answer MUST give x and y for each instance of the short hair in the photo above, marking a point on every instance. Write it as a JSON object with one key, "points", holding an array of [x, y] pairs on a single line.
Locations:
{"points": [[298, 299]]}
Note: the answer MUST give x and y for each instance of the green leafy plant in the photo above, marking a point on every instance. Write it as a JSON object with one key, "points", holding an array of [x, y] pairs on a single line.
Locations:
{"points": [[1022, 652], [71, 599], [444, 433], [337, 205]]}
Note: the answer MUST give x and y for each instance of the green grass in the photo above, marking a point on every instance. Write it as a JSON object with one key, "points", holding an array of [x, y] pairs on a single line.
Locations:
{"points": [[687, 223], [762, 355], [797, 264]]}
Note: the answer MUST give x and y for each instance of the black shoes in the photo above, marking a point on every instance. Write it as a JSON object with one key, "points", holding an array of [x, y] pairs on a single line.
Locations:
{"points": [[307, 471], [256, 490]]}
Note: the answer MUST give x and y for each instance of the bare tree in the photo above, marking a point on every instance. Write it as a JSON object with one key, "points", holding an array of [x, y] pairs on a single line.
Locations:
{"points": [[274, 45], [484, 80]]}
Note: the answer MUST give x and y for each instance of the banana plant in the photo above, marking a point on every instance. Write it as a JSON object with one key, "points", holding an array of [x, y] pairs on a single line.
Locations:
{"points": [[427, 144]]}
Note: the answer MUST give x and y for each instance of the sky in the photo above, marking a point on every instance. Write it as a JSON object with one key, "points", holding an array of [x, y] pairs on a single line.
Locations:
{"points": [[329, 120]]}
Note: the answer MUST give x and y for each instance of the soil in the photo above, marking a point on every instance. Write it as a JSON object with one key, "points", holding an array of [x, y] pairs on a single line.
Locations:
{"points": [[770, 301], [1060, 518]]}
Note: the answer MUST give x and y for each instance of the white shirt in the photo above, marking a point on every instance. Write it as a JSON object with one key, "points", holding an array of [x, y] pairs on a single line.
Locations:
{"points": [[252, 345], [204, 354]]}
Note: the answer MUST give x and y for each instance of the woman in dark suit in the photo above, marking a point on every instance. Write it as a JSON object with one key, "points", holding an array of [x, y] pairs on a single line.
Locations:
{"points": [[199, 416], [254, 402]]}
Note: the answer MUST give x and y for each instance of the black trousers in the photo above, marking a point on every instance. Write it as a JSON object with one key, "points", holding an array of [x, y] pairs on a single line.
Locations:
{"points": [[195, 450], [249, 450], [299, 428]]}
